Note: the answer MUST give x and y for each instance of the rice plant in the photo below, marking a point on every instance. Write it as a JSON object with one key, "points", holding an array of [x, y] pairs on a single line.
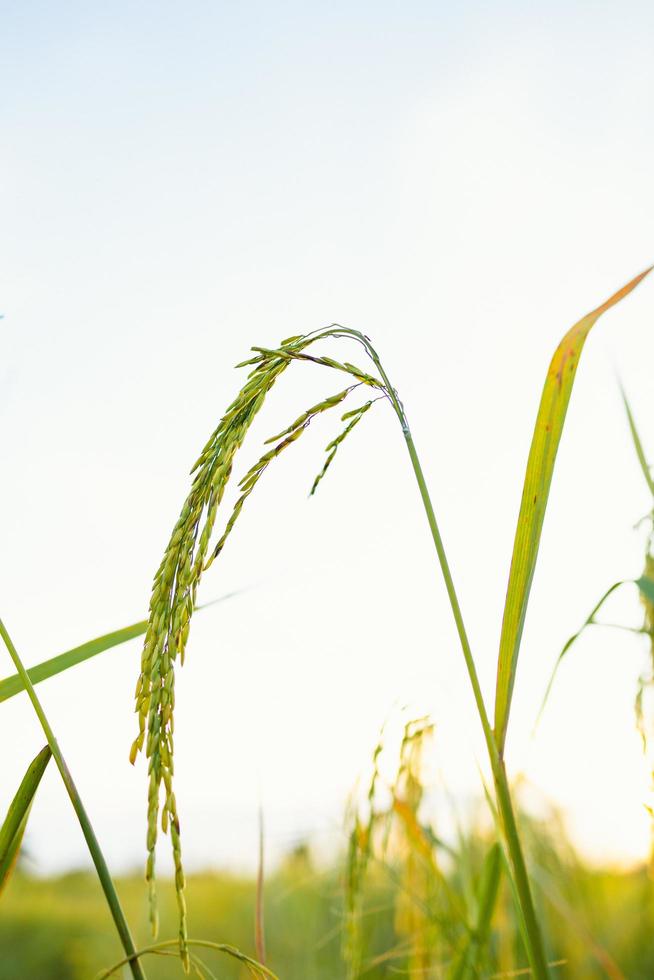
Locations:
{"points": [[190, 552]]}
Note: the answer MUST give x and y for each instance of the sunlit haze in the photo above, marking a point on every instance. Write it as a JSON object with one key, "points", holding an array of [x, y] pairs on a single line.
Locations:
{"points": [[460, 182]]}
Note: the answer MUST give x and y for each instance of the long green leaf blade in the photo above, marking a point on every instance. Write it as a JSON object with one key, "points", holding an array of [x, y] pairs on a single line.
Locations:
{"points": [[13, 828], [538, 477], [63, 661], [638, 446], [55, 665]]}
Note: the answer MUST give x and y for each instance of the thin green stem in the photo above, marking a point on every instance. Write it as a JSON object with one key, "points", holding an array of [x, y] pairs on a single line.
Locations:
{"points": [[85, 823], [533, 938], [638, 446], [535, 949]]}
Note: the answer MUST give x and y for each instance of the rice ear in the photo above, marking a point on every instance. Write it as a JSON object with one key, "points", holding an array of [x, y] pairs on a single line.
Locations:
{"points": [[187, 556]]}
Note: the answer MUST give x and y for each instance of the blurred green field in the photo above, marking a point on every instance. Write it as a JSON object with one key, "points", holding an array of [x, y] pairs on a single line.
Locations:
{"points": [[60, 929], [600, 922]]}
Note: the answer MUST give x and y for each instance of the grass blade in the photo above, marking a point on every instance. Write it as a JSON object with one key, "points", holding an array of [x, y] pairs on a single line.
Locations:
{"points": [[589, 621], [638, 446], [540, 467], [55, 665], [63, 661], [13, 828]]}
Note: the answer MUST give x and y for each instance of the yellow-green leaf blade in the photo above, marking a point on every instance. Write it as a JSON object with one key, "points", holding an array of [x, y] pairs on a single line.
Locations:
{"points": [[13, 828], [538, 477]]}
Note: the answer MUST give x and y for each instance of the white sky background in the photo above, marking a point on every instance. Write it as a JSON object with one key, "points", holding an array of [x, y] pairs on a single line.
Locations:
{"points": [[181, 181]]}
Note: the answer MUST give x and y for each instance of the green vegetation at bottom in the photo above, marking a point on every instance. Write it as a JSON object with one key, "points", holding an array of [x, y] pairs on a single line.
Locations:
{"points": [[600, 922]]}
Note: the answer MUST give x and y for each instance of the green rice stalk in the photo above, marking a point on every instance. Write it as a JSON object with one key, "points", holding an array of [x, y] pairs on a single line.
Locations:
{"points": [[174, 592]]}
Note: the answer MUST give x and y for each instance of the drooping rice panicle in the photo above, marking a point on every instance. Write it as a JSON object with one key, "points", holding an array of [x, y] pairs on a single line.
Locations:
{"points": [[286, 437], [171, 606], [185, 559]]}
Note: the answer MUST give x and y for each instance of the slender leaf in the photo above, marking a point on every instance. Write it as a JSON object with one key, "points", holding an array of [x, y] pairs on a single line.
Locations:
{"points": [[55, 665], [638, 446], [538, 478], [589, 621], [13, 828]]}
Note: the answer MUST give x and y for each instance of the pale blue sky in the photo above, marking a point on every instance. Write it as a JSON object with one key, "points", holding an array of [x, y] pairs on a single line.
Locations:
{"points": [[180, 181]]}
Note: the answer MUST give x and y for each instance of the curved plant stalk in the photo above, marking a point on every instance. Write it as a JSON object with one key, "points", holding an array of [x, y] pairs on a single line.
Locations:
{"points": [[255, 968], [532, 934], [85, 823]]}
